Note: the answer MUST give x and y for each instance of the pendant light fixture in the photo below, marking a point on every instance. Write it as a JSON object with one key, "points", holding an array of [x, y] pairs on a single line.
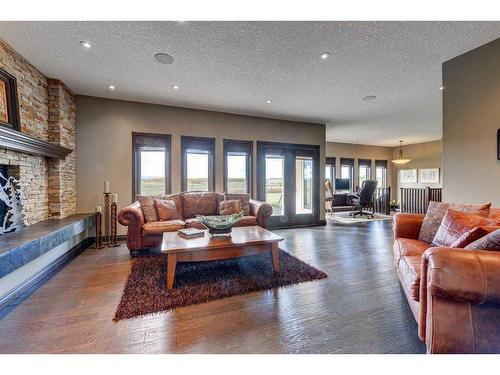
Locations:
{"points": [[401, 159]]}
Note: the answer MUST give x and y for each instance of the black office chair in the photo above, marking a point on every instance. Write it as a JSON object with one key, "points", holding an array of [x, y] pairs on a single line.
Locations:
{"points": [[363, 198]]}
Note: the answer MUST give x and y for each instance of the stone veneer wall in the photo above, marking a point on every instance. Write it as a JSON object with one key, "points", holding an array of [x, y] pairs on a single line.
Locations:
{"points": [[47, 112]]}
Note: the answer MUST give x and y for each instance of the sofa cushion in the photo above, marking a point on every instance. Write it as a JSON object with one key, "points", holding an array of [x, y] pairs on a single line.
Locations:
{"points": [[409, 272], [436, 212], [158, 227], [148, 208], [194, 223], [489, 242], [177, 198], [455, 224], [495, 215], [472, 235], [244, 201], [409, 247], [166, 209], [199, 203], [229, 207], [246, 221]]}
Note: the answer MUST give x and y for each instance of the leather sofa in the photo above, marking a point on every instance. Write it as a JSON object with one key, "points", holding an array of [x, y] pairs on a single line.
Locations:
{"points": [[454, 294], [142, 234]]}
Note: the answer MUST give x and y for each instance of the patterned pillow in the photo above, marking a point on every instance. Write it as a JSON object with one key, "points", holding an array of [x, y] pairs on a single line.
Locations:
{"points": [[244, 201], [489, 242], [229, 207], [455, 224], [436, 212], [472, 235], [148, 207], [166, 209]]}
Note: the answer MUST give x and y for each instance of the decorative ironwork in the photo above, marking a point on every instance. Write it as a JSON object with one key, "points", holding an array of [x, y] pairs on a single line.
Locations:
{"points": [[10, 196], [98, 231], [114, 228], [107, 208]]}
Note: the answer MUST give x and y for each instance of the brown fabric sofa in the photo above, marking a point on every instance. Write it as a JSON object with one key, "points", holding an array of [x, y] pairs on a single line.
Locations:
{"points": [[454, 294], [143, 234]]}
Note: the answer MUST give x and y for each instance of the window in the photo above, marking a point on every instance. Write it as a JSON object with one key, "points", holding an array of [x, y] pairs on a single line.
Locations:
{"points": [[197, 163], [330, 170], [238, 166], [364, 170], [151, 166], [347, 170], [303, 184], [381, 173], [275, 183]]}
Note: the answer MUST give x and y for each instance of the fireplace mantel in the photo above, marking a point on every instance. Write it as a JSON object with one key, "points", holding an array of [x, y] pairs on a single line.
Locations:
{"points": [[17, 141]]}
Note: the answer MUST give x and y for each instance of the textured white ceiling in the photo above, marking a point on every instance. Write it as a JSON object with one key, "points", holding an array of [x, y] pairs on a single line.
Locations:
{"points": [[236, 66]]}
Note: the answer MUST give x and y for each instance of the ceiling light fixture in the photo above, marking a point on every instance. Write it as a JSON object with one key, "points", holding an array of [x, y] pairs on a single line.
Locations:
{"points": [[369, 98], [325, 55], [401, 159], [164, 58], [175, 87], [111, 87], [441, 88], [85, 44], [268, 101]]}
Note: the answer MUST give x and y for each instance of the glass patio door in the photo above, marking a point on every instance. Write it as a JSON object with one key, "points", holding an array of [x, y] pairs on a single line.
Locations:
{"points": [[288, 180]]}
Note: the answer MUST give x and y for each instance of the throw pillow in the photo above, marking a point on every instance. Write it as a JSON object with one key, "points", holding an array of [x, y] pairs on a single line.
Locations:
{"points": [[148, 207], [229, 207], [436, 212], [489, 242], [244, 201], [472, 235], [456, 223], [166, 209]]}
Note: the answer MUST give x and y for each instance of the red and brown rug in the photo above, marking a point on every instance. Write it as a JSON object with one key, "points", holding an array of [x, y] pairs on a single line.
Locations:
{"points": [[145, 291]]}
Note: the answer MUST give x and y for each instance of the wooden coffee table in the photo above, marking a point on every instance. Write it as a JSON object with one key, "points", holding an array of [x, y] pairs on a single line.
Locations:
{"points": [[244, 241]]}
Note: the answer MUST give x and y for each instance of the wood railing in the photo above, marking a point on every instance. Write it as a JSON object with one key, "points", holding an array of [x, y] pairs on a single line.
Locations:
{"points": [[382, 201], [416, 200]]}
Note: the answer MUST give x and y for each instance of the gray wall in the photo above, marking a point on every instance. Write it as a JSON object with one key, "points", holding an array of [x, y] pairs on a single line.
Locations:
{"points": [[104, 142], [471, 118]]}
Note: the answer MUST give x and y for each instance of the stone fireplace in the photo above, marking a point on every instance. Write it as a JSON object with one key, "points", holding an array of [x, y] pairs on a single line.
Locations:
{"points": [[42, 154]]}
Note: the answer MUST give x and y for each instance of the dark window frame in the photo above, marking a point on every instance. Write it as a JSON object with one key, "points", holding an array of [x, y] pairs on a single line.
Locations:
{"points": [[136, 166], [202, 144], [331, 162], [349, 162], [382, 164], [235, 145]]}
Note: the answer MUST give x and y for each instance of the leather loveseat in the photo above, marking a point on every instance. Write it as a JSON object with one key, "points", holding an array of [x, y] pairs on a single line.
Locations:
{"points": [[454, 294], [142, 233]]}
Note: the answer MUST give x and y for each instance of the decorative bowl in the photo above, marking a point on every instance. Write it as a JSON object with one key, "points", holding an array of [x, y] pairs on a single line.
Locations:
{"points": [[220, 224]]}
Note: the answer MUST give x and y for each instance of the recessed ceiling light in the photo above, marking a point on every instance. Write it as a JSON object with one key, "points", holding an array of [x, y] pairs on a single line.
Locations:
{"points": [[325, 55], [441, 88], [164, 58], [268, 101], [175, 87], [85, 44], [111, 87], [369, 98]]}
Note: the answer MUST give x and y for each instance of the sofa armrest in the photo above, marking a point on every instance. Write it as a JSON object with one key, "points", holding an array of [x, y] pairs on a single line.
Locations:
{"points": [[261, 210], [133, 218], [407, 225], [460, 288]]}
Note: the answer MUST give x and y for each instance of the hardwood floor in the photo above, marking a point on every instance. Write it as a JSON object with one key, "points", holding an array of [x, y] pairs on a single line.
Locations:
{"points": [[359, 308]]}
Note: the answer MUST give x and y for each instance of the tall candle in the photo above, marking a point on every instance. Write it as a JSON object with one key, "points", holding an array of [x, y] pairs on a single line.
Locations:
{"points": [[106, 187], [114, 198], [98, 209]]}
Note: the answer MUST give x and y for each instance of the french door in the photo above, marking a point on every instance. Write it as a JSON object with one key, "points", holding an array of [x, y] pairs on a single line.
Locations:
{"points": [[288, 179]]}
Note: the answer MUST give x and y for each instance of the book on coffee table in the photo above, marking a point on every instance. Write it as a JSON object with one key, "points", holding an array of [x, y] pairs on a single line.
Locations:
{"points": [[191, 232]]}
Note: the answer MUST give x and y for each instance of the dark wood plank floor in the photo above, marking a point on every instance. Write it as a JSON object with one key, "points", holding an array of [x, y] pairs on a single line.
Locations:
{"points": [[360, 308]]}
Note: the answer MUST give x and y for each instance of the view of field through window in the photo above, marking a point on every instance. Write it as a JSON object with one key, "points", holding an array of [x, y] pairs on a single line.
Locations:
{"points": [[236, 173], [197, 171], [274, 182], [152, 180]]}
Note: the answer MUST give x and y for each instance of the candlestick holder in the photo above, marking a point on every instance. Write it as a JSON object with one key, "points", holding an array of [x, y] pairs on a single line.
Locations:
{"points": [[107, 208], [98, 231], [114, 208]]}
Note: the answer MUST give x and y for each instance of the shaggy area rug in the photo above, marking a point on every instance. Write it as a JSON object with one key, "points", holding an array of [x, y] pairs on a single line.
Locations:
{"points": [[200, 282]]}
